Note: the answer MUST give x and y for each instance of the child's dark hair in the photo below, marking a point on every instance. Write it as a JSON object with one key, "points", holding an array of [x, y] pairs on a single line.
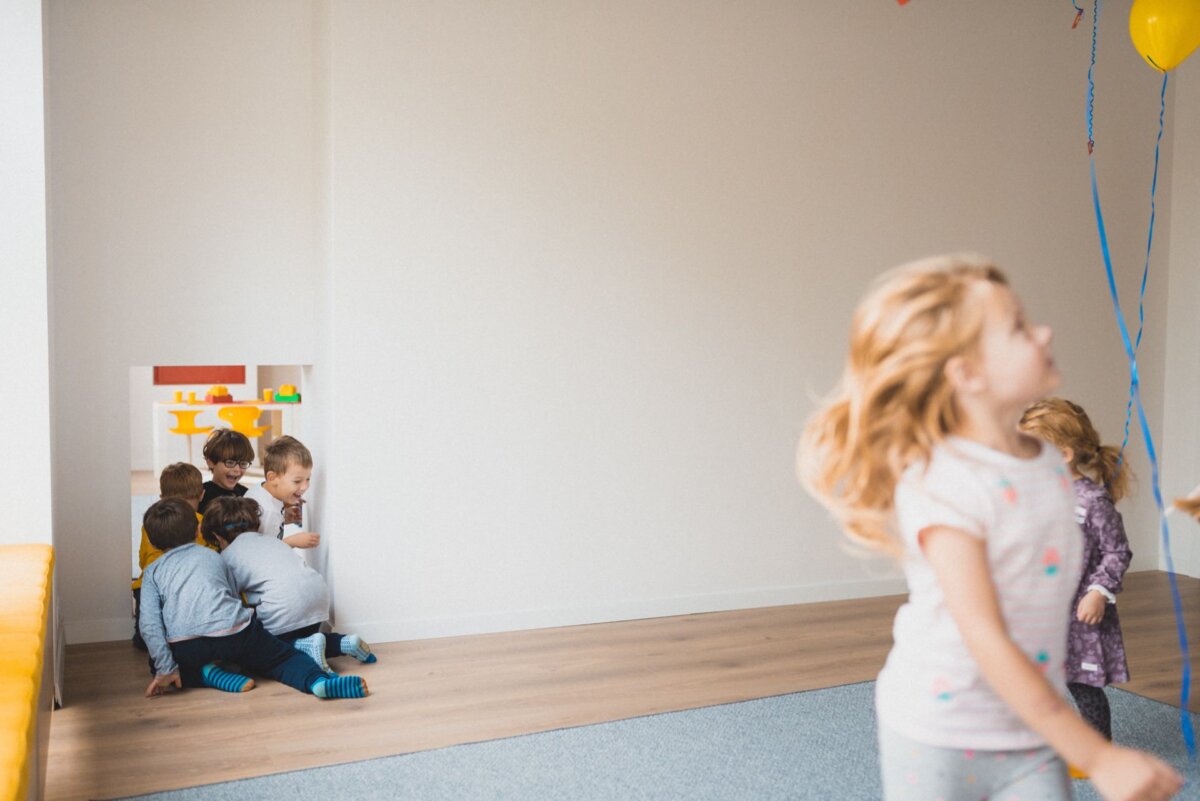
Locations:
{"points": [[170, 523], [180, 480], [229, 516], [225, 443], [285, 451], [1066, 425]]}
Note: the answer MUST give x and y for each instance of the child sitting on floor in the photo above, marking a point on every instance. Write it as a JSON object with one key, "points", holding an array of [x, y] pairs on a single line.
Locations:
{"points": [[291, 599], [288, 466], [191, 618], [179, 480]]}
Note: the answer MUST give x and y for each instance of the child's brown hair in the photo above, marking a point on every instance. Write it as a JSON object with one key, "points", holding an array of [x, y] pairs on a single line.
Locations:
{"points": [[285, 451], [225, 443], [170, 523], [1066, 425], [229, 516], [181, 480]]}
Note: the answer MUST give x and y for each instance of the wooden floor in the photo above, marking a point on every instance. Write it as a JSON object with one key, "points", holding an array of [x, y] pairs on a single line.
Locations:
{"points": [[109, 741]]}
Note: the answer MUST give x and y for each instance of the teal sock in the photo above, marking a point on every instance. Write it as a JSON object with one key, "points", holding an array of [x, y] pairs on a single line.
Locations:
{"points": [[355, 646], [339, 687], [225, 680], [313, 647]]}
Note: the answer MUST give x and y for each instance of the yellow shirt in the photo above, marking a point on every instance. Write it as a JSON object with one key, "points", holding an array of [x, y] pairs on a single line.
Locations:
{"points": [[147, 553]]}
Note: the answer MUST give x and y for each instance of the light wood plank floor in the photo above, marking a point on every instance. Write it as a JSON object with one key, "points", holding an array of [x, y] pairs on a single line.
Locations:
{"points": [[109, 741]]}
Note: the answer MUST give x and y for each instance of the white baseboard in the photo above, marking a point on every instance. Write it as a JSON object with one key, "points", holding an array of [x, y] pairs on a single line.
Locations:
{"points": [[395, 630], [399, 629]]}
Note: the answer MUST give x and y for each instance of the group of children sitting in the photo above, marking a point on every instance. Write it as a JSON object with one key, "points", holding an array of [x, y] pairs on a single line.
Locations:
{"points": [[221, 590]]}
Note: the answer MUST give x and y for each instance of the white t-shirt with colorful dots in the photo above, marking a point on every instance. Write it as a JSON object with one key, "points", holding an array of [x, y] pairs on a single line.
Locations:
{"points": [[931, 689]]}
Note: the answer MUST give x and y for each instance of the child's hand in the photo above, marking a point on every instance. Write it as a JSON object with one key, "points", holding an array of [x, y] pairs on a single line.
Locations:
{"points": [[159, 684], [293, 514], [1091, 608], [1189, 505], [304, 539], [1122, 774]]}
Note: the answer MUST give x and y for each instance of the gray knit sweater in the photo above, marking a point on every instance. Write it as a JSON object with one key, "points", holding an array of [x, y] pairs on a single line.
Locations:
{"points": [[187, 593]]}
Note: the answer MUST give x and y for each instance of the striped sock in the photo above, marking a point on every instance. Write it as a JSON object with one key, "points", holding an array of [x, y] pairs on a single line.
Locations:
{"points": [[339, 687], [225, 680], [355, 646], [313, 646]]}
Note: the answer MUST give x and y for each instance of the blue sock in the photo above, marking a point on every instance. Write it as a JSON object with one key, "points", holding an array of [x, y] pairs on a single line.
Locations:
{"points": [[313, 647], [355, 646], [225, 680], [339, 687]]}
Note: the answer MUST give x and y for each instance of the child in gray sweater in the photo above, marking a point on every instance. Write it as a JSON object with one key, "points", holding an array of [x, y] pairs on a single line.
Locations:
{"points": [[290, 598], [191, 619]]}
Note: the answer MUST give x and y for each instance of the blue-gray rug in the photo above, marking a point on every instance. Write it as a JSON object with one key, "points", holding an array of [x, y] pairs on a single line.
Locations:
{"points": [[811, 745]]}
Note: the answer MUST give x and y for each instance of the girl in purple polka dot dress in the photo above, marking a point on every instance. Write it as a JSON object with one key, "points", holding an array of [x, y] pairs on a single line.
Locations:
{"points": [[1095, 649], [918, 454]]}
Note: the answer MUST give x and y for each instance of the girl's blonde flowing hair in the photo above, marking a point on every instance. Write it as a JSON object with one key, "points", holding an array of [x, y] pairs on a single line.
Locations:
{"points": [[1066, 425], [894, 401]]}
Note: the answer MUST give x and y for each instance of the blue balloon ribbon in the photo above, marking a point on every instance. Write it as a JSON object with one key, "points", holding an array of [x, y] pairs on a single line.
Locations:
{"points": [[1185, 722]]}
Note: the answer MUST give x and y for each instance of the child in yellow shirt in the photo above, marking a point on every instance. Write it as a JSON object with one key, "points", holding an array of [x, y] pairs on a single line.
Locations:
{"points": [[179, 480]]}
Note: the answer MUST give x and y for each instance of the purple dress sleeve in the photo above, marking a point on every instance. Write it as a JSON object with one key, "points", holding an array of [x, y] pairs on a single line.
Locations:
{"points": [[1106, 533]]}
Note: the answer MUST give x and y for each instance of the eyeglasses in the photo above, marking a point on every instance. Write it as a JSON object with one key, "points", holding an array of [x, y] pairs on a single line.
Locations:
{"points": [[232, 463]]}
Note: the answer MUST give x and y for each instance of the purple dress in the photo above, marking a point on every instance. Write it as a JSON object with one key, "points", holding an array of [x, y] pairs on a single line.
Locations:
{"points": [[1096, 654]]}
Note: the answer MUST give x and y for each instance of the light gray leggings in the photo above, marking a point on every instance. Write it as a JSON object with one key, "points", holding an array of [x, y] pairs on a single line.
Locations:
{"points": [[913, 771]]}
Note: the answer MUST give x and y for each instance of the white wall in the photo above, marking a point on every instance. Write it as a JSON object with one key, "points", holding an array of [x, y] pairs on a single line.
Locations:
{"points": [[612, 249], [25, 388], [567, 275], [182, 198], [1182, 433]]}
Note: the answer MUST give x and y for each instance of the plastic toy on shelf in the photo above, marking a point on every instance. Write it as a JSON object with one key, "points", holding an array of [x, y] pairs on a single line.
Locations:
{"points": [[287, 394], [218, 394]]}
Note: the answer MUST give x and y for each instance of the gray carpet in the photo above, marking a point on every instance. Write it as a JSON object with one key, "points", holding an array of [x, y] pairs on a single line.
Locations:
{"points": [[813, 745]]}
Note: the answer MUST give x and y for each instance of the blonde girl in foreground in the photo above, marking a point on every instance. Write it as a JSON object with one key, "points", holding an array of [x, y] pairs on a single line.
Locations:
{"points": [[918, 454]]}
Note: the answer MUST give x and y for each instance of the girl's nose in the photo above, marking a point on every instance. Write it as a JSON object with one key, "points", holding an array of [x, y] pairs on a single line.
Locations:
{"points": [[1045, 334]]}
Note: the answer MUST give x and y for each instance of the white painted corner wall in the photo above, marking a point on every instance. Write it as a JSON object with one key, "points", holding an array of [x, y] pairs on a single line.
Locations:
{"points": [[568, 277], [24, 326]]}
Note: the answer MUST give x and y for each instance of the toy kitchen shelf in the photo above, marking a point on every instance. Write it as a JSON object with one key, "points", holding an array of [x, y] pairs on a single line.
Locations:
{"points": [[182, 426]]}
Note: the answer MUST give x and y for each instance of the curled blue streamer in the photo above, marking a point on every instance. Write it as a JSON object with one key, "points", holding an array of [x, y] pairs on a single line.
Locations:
{"points": [[1185, 722]]}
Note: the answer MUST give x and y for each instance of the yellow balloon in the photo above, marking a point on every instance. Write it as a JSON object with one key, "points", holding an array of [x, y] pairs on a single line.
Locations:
{"points": [[1165, 32]]}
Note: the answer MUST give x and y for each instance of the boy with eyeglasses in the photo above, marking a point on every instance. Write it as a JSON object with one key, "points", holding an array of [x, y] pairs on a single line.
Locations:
{"points": [[228, 454], [179, 480]]}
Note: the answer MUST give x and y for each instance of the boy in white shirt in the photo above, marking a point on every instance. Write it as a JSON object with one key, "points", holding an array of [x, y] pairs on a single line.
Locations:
{"points": [[288, 466]]}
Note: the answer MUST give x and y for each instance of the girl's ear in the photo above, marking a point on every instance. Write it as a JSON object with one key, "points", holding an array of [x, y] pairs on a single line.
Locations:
{"points": [[1068, 454], [962, 375]]}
